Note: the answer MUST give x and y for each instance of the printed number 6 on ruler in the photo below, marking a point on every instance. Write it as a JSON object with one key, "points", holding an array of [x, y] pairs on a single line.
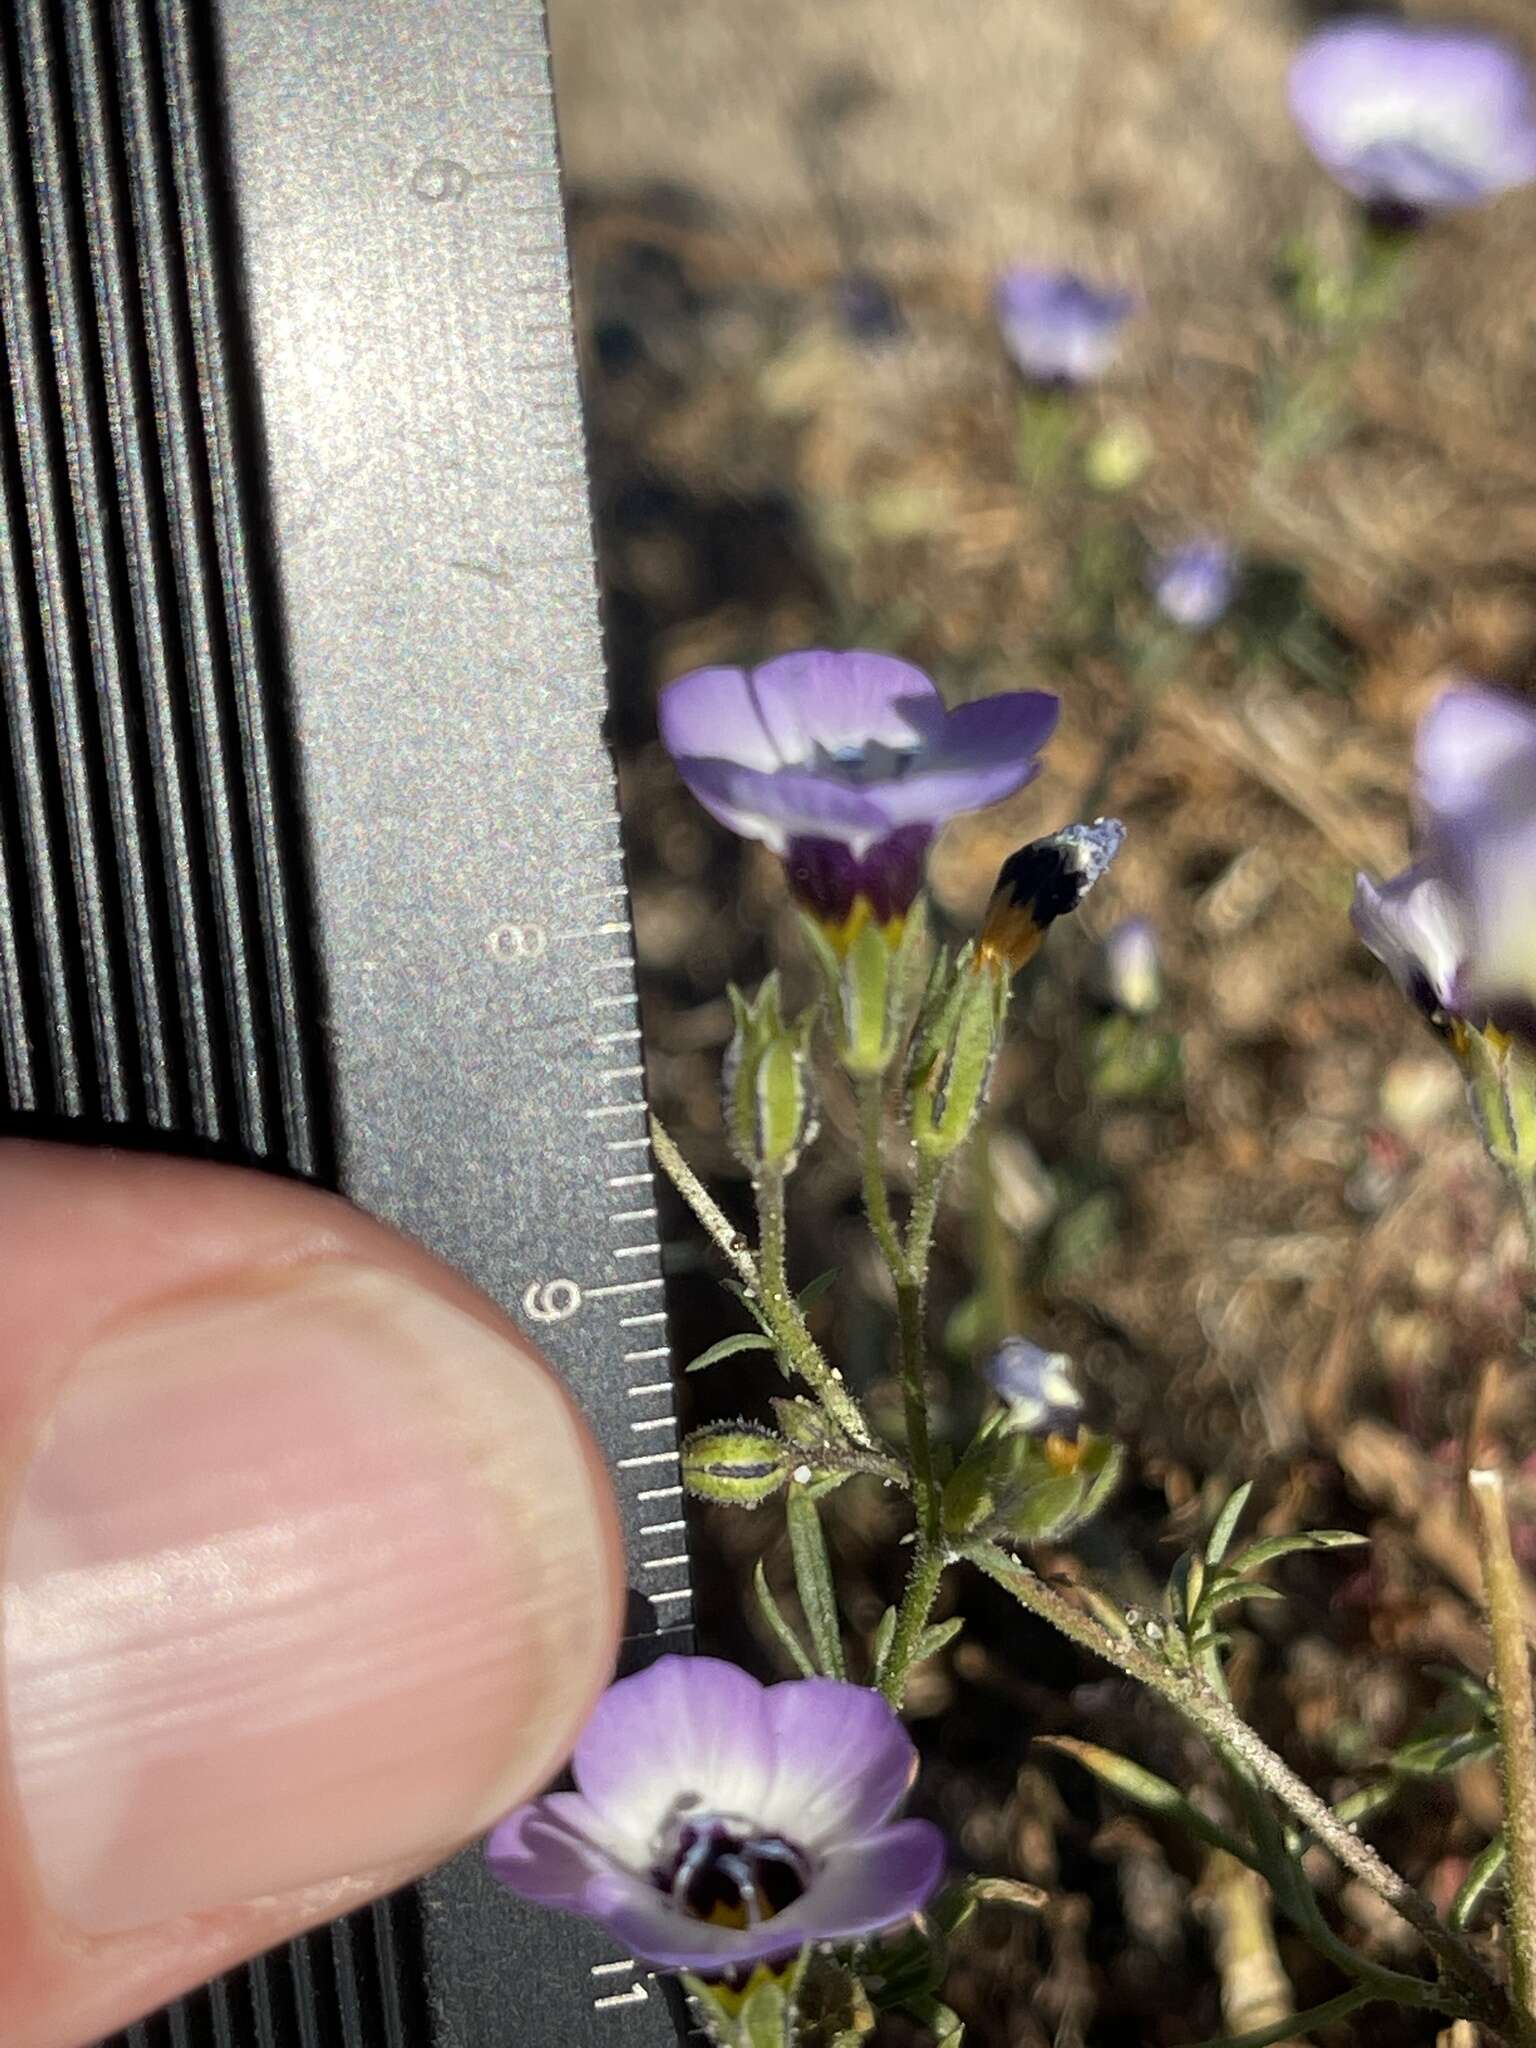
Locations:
{"points": [[551, 1301]]}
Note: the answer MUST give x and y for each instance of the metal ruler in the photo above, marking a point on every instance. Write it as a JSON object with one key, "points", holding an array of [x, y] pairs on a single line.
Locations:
{"points": [[308, 846]]}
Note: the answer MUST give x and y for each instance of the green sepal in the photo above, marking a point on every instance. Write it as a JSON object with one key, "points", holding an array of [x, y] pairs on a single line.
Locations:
{"points": [[736, 1464], [835, 2011], [770, 1110], [868, 1041], [952, 1057], [806, 1426]]}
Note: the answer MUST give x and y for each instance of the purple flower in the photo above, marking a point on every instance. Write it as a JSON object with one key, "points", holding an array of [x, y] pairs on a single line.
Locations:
{"points": [[1193, 584], [1036, 1387], [847, 765], [1415, 119], [718, 1822], [1130, 969], [1059, 329], [1458, 929]]}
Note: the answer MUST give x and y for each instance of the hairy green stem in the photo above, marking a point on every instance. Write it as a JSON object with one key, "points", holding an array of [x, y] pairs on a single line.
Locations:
{"points": [[1189, 1692], [797, 1347], [911, 1619], [801, 1351], [1517, 1723], [877, 1201]]}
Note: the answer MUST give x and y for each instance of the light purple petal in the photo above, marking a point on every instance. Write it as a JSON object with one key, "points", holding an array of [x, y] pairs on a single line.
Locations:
{"points": [[684, 1727], [844, 1761], [1425, 115], [1475, 752], [644, 1921], [1500, 972], [820, 701], [792, 804], [1418, 930], [537, 1853], [711, 714], [1058, 327], [870, 1884], [987, 752], [1015, 722], [1193, 584]]}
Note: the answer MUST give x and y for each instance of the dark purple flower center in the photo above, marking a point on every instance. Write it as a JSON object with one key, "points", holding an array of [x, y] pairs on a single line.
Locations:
{"points": [[721, 1871], [829, 878]]}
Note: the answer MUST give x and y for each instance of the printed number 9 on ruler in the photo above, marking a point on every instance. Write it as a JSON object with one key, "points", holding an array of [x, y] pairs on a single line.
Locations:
{"points": [[551, 1301]]}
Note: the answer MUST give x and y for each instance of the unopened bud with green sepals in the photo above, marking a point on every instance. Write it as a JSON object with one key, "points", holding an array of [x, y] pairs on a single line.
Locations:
{"points": [[870, 987], [769, 1103], [952, 1053], [736, 1464]]}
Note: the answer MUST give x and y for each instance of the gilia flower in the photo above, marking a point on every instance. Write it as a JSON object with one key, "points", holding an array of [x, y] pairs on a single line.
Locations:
{"points": [[718, 1822], [847, 765], [1193, 584], [1414, 119], [1037, 1389], [1457, 930], [1058, 328]]}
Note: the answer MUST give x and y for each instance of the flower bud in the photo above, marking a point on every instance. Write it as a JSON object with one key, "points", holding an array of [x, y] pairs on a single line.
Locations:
{"points": [[1130, 970], [736, 1464], [869, 990], [769, 1105], [1041, 882], [953, 1050]]}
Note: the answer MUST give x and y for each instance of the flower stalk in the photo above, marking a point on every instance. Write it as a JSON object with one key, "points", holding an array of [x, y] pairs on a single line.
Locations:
{"points": [[1477, 1995], [1516, 1723]]}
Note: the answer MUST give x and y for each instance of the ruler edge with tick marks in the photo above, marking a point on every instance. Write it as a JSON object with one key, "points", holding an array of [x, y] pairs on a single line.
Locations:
{"points": [[381, 463]]}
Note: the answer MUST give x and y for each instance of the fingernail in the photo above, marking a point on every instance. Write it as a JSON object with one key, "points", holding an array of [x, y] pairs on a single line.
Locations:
{"points": [[303, 1583]]}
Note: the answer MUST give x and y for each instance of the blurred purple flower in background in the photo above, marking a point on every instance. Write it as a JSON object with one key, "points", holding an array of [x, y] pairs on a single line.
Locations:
{"points": [[1457, 930], [1415, 119], [1130, 971], [847, 765], [1036, 1387], [718, 1822], [1193, 583], [1058, 328]]}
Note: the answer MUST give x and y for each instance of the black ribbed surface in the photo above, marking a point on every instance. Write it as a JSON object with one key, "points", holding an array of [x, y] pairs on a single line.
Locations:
{"points": [[155, 981], [151, 969]]}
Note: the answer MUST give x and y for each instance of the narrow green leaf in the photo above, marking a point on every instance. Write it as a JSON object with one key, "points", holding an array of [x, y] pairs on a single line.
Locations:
{"points": [[744, 1340], [782, 1631], [933, 1639], [885, 1635], [1226, 1524], [1268, 1548], [1435, 1756], [1488, 1866], [1231, 1594], [1299, 2023], [813, 1582], [1358, 1806], [1148, 1790], [812, 1292]]}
